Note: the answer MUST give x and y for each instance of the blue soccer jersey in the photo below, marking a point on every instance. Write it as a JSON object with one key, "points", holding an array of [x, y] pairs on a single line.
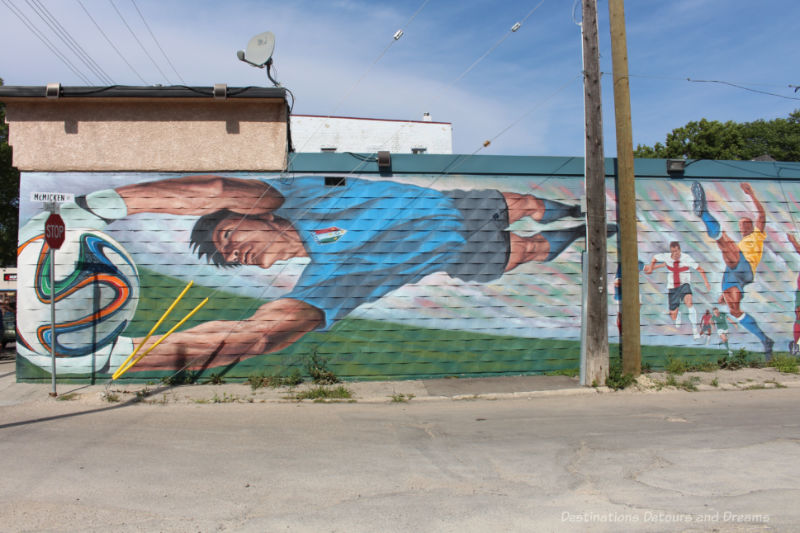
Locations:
{"points": [[367, 238]]}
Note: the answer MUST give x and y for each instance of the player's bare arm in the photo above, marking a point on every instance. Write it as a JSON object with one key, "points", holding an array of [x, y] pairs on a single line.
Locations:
{"points": [[705, 279], [274, 326], [761, 221], [651, 266], [794, 242], [200, 195]]}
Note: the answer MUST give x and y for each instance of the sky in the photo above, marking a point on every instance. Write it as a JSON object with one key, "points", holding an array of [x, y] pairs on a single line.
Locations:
{"points": [[457, 60]]}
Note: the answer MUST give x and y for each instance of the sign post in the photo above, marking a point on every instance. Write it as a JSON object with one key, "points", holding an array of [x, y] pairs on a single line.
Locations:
{"points": [[54, 231]]}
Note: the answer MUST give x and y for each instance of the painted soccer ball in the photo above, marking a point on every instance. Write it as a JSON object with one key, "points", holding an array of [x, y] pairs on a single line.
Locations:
{"points": [[96, 292]]}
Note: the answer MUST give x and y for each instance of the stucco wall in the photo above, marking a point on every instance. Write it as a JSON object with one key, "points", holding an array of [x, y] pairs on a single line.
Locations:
{"points": [[101, 134]]}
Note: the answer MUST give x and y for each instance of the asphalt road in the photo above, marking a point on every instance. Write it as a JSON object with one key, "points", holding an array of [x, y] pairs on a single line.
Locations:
{"points": [[724, 461]]}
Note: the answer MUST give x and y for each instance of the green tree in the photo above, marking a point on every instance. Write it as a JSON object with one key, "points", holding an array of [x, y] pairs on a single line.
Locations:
{"points": [[711, 139], [9, 197]]}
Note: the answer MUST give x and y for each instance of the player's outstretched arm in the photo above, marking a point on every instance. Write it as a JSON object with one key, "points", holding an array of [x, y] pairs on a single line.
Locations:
{"points": [[761, 221], [274, 326], [200, 195], [705, 278], [652, 265], [794, 242]]}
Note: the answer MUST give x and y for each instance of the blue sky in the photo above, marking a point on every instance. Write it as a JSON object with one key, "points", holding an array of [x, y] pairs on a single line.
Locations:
{"points": [[526, 95]]}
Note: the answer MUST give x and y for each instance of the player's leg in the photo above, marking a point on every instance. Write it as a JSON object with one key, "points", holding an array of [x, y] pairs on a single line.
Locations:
{"points": [[546, 245], [687, 301], [728, 247], [733, 297], [539, 209], [674, 304]]}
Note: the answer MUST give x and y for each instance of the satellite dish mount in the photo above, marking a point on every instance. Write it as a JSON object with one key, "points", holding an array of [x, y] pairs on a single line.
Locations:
{"points": [[259, 53]]}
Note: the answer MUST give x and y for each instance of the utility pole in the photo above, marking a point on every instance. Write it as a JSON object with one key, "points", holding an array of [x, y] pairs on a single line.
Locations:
{"points": [[596, 288], [630, 346]]}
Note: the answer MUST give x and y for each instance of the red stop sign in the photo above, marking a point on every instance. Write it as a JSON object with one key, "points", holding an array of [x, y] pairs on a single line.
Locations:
{"points": [[54, 229]]}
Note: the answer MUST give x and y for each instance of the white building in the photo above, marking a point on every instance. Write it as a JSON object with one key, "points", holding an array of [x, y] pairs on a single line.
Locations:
{"points": [[311, 133]]}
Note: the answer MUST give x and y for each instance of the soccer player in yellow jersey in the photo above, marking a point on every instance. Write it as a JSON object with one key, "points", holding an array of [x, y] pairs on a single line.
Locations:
{"points": [[741, 259]]}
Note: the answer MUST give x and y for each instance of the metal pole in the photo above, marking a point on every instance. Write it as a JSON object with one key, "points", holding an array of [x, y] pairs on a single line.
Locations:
{"points": [[53, 320], [53, 208]]}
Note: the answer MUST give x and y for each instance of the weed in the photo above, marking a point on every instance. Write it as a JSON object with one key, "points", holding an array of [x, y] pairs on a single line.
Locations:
{"points": [[736, 361], [259, 380], [676, 365], [399, 397], [569, 372], [785, 363], [671, 381], [226, 398], [216, 379], [111, 397], [646, 367], [617, 380], [317, 367], [715, 382], [706, 366], [256, 380], [690, 384], [324, 393], [756, 386], [182, 377], [776, 384], [142, 394]]}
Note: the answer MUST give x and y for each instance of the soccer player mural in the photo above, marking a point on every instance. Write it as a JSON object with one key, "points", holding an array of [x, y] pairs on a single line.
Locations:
{"points": [[413, 275], [360, 241], [741, 259], [679, 266]]}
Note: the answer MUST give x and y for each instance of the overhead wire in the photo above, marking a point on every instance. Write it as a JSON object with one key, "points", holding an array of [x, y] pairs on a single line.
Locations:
{"points": [[111, 44], [146, 25], [136, 38], [32, 27], [737, 85], [67, 38], [395, 37]]}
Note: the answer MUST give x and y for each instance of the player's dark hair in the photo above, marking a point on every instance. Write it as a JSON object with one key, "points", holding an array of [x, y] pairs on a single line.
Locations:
{"points": [[675, 244], [202, 238]]}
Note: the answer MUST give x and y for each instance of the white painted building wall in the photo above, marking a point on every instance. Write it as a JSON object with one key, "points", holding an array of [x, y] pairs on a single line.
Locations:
{"points": [[311, 133]]}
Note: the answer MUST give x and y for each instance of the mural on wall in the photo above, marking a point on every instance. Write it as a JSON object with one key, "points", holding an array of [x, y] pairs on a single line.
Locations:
{"points": [[456, 256], [727, 258], [408, 276]]}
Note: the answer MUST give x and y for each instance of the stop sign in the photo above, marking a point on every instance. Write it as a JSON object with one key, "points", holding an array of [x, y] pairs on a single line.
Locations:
{"points": [[54, 231]]}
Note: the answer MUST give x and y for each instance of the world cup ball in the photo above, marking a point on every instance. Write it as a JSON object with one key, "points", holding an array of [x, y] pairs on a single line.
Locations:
{"points": [[96, 291]]}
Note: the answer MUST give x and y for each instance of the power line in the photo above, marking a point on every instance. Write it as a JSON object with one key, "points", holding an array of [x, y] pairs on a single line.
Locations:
{"points": [[513, 29], [737, 85], [743, 88], [146, 25], [139, 42], [65, 36], [397, 35], [32, 27], [111, 44]]}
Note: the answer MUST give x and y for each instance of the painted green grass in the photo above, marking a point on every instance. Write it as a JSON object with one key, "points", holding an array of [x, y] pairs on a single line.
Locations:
{"points": [[357, 349]]}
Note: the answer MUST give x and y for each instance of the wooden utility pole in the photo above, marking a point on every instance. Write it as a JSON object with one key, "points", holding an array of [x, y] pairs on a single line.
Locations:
{"points": [[630, 346], [596, 288]]}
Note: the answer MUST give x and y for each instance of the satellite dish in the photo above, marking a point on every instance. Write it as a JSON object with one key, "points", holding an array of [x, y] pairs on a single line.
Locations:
{"points": [[259, 50]]}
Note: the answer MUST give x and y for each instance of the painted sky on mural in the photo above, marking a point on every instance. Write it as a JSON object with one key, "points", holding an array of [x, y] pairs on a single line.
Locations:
{"points": [[339, 58]]}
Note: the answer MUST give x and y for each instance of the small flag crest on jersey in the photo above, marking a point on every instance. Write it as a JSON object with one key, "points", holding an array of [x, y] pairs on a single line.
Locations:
{"points": [[328, 235]]}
